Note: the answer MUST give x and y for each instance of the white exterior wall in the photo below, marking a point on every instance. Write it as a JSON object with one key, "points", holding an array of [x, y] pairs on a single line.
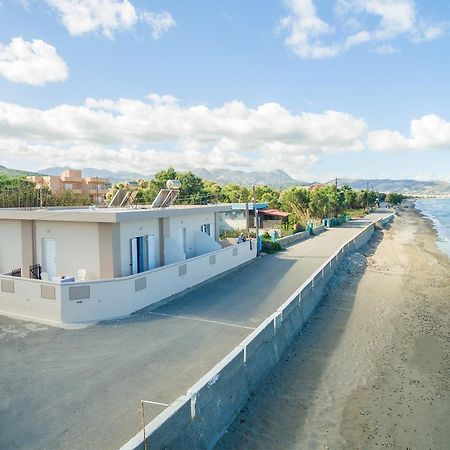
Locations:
{"points": [[192, 223], [129, 230], [77, 247], [107, 299], [10, 245]]}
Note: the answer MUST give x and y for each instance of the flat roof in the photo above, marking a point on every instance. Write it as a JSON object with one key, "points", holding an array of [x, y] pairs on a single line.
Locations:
{"points": [[241, 206], [108, 215]]}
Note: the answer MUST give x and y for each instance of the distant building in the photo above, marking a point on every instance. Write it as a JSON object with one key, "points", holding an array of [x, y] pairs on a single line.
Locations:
{"points": [[242, 216], [72, 180]]}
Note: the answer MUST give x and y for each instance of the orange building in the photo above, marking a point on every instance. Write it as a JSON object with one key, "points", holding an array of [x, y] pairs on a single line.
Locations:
{"points": [[72, 180]]}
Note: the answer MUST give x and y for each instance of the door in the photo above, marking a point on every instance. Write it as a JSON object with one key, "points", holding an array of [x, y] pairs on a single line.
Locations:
{"points": [[182, 238], [151, 252], [134, 256], [49, 248]]}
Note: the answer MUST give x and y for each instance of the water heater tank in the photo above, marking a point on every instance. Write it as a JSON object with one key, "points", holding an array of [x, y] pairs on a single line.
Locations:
{"points": [[173, 184]]}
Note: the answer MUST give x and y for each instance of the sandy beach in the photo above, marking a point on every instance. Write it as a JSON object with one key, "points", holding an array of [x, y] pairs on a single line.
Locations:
{"points": [[371, 369]]}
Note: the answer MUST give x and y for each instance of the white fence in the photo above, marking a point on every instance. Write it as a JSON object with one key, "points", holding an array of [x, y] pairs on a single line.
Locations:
{"points": [[105, 299]]}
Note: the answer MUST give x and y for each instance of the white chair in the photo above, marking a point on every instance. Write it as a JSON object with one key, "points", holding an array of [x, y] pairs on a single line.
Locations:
{"points": [[81, 276], [44, 276]]}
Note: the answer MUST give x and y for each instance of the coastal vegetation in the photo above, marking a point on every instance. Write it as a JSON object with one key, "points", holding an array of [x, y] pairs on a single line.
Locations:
{"points": [[312, 203], [302, 203]]}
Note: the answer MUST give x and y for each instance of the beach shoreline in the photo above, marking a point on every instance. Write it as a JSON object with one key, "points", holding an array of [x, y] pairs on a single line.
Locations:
{"points": [[371, 369]]}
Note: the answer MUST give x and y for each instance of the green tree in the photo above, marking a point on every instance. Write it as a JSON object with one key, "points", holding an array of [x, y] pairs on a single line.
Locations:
{"points": [[266, 194], [192, 189], [295, 201], [394, 198], [321, 202], [234, 193]]}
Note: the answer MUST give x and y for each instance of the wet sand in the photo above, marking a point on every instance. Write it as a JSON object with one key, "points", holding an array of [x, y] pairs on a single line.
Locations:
{"points": [[371, 369]]}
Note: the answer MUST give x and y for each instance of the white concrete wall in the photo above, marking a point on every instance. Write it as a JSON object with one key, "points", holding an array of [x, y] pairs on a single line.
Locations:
{"points": [[192, 223], [77, 247], [129, 230], [10, 245], [28, 301], [118, 297]]}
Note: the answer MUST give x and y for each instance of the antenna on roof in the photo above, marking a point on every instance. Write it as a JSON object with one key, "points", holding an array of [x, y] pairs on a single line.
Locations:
{"points": [[167, 196]]}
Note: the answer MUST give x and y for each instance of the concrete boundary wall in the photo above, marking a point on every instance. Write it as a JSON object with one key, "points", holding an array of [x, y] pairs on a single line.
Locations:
{"points": [[199, 418], [93, 300], [297, 237]]}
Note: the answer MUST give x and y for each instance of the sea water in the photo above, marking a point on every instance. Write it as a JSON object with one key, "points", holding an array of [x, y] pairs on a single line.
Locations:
{"points": [[438, 211]]}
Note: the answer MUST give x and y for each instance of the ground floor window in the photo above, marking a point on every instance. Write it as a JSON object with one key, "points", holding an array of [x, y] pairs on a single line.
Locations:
{"points": [[206, 228]]}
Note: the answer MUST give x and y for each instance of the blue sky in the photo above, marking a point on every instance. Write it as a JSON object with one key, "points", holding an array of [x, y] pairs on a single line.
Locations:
{"points": [[346, 88]]}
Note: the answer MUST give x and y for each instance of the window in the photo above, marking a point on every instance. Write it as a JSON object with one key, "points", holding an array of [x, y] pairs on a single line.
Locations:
{"points": [[206, 228], [68, 186]]}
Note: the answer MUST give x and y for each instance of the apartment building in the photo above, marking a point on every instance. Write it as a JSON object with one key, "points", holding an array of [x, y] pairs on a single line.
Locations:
{"points": [[72, 180]]}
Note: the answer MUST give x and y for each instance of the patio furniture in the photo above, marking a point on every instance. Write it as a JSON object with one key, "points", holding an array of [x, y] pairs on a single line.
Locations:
{"points": [[44, 276], [81, 276]]}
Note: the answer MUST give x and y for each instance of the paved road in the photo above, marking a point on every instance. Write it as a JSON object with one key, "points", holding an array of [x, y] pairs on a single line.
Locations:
{"points": [[79, 389]]}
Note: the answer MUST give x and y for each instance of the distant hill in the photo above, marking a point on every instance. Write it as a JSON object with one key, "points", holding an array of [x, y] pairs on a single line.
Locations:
{"points": [[401, 186], [16, 172], [274, 178]]}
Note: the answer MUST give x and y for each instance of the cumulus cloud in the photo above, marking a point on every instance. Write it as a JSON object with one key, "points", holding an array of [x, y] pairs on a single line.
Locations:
{"points": [[427, 133], [32, 62], [107, 16], [160, 131], [309, 36], [158, 22]]}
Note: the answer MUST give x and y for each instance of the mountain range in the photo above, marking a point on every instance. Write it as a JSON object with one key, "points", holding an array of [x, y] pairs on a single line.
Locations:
{"points": [[274, 178]]}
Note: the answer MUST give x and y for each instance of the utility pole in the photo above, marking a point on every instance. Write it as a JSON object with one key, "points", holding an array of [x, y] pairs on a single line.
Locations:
{"points": [[96, 183], [367, 195], [246, 218], [336, 198], [256, 219]]}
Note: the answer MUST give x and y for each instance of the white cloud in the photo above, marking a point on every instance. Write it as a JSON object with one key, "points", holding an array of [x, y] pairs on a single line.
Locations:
{"points": [[311, 37], [160, 131], [151, 134], [386, 49], [107, 17], [427, 133], [34, 62], [158, 22], [306, 30]]}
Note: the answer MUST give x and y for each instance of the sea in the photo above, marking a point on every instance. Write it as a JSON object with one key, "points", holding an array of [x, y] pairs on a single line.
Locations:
{"points": [[438, 211]]}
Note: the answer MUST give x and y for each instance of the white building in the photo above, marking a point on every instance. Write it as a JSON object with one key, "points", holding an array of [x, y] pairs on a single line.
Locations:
{"points": [[78, 252]]}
